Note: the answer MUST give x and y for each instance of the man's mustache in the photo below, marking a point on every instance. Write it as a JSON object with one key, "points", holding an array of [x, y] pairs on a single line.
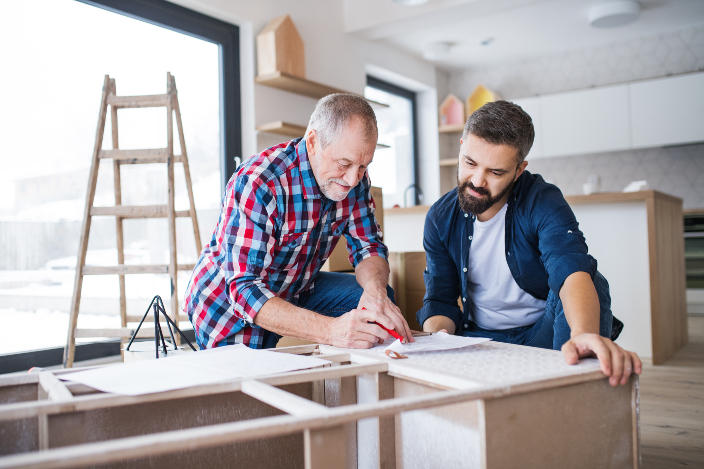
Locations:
{"points": [[478, 190]]}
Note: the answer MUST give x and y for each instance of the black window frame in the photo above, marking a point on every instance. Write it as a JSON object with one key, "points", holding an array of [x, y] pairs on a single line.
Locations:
{"points": [[183, 20], [392, 88]]}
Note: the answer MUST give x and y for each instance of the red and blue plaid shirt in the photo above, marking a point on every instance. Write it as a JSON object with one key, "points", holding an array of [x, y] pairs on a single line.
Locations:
{"points": [[275, 231]]}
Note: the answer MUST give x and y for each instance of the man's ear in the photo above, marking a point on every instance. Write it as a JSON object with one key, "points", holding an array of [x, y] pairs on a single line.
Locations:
{"points": [[312, 142], [521, 168]]}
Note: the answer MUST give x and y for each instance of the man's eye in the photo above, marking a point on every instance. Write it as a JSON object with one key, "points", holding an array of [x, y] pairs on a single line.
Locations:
{"points": [[497, 173], [469, 163]]}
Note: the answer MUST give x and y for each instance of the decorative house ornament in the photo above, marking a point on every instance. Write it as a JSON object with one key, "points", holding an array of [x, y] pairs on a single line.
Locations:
{"points": [[451, 111], [280, 48], [479, 97]]}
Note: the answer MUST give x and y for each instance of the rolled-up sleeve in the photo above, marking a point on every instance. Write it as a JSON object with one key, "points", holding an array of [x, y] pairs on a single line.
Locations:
{"points": [[364, 237], [563, 249], [250, 246], [442, 286]]}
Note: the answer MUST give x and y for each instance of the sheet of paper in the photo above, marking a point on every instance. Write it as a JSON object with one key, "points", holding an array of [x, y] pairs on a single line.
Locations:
{"points": [[427, 343], [191, 369]]}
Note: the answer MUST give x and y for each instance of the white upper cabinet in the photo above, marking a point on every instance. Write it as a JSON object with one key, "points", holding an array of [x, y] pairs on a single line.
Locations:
{"points": [[532, 107], [585, 121], [667, 111]]}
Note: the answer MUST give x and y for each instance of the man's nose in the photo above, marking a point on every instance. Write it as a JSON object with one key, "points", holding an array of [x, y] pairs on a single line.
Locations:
{"points": [[351, 177], [478, 179]]}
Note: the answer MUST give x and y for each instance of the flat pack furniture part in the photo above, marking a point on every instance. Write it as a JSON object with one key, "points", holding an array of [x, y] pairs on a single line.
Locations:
{"points": [[119, 158], [493, 405]]}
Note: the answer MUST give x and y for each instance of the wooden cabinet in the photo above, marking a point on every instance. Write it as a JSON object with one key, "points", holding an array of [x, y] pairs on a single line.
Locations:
{"points": [[667, 111]]}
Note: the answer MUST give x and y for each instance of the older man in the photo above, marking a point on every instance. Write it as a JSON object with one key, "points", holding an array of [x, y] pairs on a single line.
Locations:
{"points": [[508, 244], [283, 212]]}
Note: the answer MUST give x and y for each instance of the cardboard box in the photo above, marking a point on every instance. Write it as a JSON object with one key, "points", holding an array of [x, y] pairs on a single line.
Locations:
{"points": [[339, 260], [407, 281]]}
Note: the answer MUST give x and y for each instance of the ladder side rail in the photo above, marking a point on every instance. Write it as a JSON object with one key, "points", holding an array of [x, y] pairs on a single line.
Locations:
{"points": [[173, 273], [70, 349], [119, 231]]}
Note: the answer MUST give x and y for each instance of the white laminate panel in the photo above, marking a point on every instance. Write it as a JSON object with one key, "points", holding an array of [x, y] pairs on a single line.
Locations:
{"points": [[404, 231], [617, 236], [668, 111]]}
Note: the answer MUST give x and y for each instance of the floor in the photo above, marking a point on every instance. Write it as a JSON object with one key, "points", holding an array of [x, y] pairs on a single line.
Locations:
{"points": [[672, 406]]}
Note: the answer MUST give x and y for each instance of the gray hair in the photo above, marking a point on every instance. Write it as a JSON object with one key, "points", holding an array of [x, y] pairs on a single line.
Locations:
{"points": [[502, 122], [333, 111]]}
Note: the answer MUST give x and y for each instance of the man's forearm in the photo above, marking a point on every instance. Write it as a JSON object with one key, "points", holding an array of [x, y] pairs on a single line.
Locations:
{"points": [[373, 274], [439, 322], [284, 318], [580, 303]]}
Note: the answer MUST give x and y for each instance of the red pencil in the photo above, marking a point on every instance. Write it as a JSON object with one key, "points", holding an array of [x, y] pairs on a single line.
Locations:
{"points": [[393, 333]]}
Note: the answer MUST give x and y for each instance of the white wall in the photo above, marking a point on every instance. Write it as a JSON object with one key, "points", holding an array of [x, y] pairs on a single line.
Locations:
{"points": [[331, 57], [677, 170]]}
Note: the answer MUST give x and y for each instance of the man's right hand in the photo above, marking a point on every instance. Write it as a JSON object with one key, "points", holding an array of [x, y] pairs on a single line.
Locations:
{"points": [[355, 329]]}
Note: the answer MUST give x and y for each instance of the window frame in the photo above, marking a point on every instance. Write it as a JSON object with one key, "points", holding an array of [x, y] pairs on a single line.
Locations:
{"points": [[183, 20], [392, 88]]}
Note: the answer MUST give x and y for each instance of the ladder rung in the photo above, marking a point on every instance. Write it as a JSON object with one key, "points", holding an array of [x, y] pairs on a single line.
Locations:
{"points": [[140, 156], [147, 330], [152, 100], [149, 322], [137, 211], [126, 269]]}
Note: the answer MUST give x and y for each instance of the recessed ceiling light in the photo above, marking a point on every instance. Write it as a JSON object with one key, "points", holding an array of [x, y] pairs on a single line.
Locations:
{"points": [[437, 50], [609, 14]]}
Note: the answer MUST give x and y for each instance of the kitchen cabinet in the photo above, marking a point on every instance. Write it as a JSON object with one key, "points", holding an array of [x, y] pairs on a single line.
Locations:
{"points": [[585, 121], [667, 111]]}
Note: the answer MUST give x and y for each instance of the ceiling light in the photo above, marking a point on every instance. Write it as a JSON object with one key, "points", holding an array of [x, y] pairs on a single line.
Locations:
{"points": [[613, 13], [410, 2]]}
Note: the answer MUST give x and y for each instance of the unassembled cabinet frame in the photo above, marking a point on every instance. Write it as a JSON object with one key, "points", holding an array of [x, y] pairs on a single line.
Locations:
{"points": [[363, 410]]}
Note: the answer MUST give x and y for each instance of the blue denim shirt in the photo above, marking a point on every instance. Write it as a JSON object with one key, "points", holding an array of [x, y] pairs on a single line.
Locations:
{"points": [[543, 247]]}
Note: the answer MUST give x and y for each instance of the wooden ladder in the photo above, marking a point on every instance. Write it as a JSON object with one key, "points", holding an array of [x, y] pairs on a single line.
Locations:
{"points": [[120, 212]]}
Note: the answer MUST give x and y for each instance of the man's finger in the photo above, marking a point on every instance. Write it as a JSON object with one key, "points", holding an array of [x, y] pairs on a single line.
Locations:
{"points": [[569, 351], [617, 362], [602, 352]]}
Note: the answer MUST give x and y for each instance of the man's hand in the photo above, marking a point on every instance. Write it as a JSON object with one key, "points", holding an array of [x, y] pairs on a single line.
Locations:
{"points": [[615, 362], [386, 313], [354, 329]]}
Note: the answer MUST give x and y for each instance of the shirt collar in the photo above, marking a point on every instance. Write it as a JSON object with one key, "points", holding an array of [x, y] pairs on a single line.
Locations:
{"points": [[309, 185]]}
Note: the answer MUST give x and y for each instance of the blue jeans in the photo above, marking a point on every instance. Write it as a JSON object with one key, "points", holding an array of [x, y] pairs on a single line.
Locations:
{"points": [[333, 294], [551, 330]]}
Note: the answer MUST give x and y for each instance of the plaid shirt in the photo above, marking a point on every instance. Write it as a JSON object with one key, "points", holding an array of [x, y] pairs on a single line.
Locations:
{"points": [[275, 231]]}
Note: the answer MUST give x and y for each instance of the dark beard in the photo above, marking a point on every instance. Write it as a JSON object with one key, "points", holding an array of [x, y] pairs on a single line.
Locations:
{"points": [[476, 205]]}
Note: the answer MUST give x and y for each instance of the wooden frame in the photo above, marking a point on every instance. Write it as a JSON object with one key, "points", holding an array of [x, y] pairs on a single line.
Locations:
{"points": [[363, 410]]}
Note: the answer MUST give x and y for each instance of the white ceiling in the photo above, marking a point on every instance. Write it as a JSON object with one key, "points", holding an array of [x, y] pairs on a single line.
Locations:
{"points": [[519, 29]]}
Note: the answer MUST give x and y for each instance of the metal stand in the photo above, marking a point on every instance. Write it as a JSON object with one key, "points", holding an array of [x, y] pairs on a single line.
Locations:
{"points": [[157, 305]]}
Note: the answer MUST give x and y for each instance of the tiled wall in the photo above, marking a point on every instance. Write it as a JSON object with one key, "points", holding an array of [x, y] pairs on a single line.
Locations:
{"points": [[674, 170]]}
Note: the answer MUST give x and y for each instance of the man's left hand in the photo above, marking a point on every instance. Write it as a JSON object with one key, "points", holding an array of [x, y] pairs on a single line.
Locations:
{"points": [[387, 313], [616, 363]]}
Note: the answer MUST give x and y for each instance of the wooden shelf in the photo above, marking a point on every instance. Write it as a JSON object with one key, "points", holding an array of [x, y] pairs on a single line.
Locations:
{"points": [[448, 162], [292, 130], [451, 129], [282, 128], [293, 84]]}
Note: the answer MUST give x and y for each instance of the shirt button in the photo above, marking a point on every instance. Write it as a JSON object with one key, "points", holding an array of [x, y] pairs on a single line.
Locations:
{"points": [[466, 326], [464, 269], [508, 253], [464, 299], [469, 237], [466, 215]]}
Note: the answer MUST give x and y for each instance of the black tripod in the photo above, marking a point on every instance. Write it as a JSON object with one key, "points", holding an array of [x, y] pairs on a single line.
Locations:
{"points": [[158, 306]]}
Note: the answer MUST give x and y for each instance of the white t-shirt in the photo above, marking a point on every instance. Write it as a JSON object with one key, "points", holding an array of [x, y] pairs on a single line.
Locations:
{"points": [[499, 303]]}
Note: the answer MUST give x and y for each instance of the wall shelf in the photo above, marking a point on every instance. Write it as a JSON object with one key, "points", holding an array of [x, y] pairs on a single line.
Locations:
{"points": [[294, 84], [451, 129], [292, 130]]}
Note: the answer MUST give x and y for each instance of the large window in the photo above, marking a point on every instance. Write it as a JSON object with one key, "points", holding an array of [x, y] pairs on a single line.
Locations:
{"points": [[55, 55], [395, 167]]}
